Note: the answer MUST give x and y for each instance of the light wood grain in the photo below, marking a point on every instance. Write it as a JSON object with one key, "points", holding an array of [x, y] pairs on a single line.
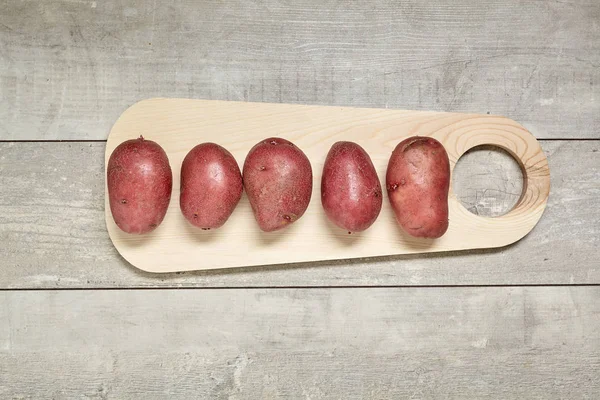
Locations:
{"points": [[53, 233], [453, 343], [68, 69], [180, 124]]}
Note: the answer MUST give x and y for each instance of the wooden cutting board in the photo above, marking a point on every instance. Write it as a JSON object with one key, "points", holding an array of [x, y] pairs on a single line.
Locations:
{"points": [[180, 124]]}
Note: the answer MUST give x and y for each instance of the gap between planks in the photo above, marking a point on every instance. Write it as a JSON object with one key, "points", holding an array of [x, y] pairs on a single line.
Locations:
{"points": [[466, 286]]}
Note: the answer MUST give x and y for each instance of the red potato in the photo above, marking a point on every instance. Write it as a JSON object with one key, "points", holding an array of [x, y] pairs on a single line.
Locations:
{"points": [[350, 189], [418, 180], [139, 181], [211, 186], [278, 181]]}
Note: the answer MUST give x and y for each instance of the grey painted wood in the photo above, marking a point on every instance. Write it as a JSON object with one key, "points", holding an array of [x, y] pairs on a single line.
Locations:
{"points": [[69, 68], [53, 234], [488, 181], [454, 343]]}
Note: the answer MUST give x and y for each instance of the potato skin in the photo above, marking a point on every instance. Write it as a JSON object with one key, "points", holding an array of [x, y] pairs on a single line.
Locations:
{"points": [[418, 180], [211, 186], [139, 181], [350, 189], [278, 181]]}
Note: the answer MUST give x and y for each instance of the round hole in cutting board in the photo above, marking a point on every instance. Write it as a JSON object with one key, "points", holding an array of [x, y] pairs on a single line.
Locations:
{"points": [[487, 181]]}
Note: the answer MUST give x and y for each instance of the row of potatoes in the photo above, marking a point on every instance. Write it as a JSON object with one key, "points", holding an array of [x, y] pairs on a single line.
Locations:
{"points": [[277, 177]]}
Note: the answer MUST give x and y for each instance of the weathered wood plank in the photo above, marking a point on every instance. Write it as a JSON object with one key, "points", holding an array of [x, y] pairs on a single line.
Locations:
{"points": [[456, 343], [68, 69], [53, 234]]}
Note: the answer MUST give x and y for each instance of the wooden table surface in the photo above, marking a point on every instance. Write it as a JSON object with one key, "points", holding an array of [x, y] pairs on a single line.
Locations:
{"points": [[77, 321]]}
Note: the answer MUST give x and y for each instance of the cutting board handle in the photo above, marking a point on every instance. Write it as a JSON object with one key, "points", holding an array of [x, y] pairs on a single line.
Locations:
{"points": [[523, 147]]}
